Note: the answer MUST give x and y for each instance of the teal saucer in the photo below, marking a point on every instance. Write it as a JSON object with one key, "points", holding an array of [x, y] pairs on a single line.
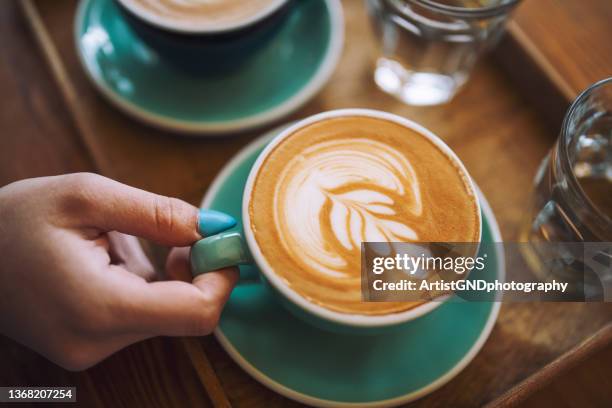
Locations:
{"points": [[321, 368], [282, 74]]}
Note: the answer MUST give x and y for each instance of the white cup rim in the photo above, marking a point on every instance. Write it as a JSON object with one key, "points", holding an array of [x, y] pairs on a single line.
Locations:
{"points": [[344, 319], [186, 27]]}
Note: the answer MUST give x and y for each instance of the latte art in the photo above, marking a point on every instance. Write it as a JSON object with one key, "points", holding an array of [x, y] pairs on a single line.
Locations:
{"points": [[333, 184], [345, 191]]}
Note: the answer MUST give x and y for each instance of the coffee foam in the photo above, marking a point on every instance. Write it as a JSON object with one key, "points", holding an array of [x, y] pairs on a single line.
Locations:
{"points": [[336, 183], [208, 13]]}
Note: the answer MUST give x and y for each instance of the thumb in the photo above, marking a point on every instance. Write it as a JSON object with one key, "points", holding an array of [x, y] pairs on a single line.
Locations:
{"points": [[108, 205], [174, 308]]}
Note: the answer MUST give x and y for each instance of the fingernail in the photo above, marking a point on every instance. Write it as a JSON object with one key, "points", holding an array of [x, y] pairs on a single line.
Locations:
{"points": [[211, 222]]}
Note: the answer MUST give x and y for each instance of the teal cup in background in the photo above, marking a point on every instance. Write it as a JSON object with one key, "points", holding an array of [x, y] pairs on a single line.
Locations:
{"points": [[235, 248], [198, 50]]}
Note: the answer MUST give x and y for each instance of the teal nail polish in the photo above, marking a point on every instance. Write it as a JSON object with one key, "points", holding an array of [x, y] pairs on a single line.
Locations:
{"points": [[211, 222]]}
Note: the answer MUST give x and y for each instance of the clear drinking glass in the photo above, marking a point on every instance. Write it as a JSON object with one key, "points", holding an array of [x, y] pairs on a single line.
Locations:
{"points": [[572, 202], [428, 47]]}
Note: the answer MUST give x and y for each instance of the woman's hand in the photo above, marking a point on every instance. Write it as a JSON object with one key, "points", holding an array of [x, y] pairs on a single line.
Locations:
{"points": [[76, 288]]}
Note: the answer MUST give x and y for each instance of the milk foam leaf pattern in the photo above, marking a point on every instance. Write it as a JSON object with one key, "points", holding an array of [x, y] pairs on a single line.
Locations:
{"points": [[360, 212]]}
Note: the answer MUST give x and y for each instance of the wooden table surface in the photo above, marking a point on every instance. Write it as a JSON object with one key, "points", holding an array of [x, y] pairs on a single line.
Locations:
{"points": [[498, 134]]}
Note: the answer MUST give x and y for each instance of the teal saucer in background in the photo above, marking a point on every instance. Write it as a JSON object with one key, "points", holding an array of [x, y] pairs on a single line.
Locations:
{"points": [[321, 368], [282, 75]]}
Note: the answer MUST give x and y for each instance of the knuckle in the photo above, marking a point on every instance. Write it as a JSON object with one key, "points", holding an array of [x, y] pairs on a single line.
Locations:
{"points": [[81, 181], [73, 356], [79, 360], [165, 209], [147, 272], [206, 319], [77, 194]]}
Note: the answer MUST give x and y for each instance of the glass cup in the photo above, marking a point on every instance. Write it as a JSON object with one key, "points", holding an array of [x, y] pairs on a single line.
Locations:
{"points": [[428, 47], [569, 227]]}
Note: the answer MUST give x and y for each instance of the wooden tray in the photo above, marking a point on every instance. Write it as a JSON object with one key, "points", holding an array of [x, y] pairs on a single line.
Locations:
{"points": [[556, 49], [498, 135]]}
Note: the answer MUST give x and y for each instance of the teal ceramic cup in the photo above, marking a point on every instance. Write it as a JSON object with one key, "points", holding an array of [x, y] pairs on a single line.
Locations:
{"points": [[235, 248], [204, 49]]}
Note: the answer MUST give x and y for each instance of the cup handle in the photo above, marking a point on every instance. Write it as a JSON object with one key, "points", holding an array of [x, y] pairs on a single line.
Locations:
{"points": [[219, 251]]}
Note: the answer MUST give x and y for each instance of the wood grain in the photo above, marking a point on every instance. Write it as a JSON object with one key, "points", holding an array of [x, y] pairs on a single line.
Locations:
{"points": [[572, 38], [499, 136], [206, 373], [32, 129], [589, 384], [600, 341], [557, 48]]}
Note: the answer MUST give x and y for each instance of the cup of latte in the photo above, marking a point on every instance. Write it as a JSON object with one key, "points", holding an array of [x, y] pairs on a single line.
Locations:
{"points": [[204, 34], [325, 185]]}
